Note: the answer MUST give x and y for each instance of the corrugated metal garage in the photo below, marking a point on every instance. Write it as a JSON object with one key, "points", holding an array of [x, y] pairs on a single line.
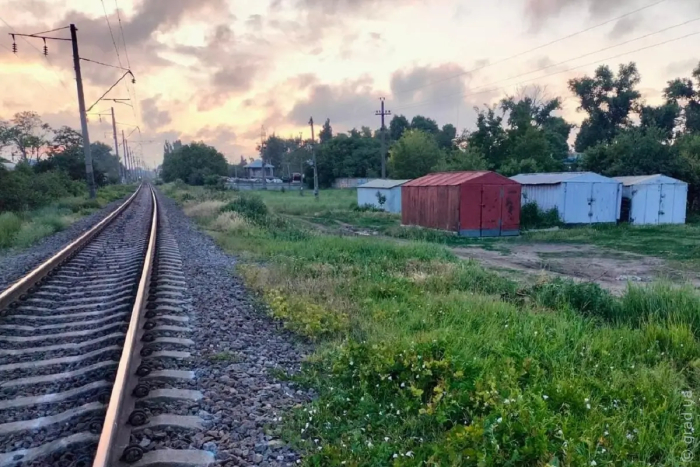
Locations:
{"points": [[580, 197], [389, 189], [474, 204], [653, 199]]}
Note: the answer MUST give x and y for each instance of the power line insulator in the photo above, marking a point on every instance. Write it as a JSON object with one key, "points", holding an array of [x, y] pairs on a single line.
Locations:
{"points": [[14, 44], [46, 49]]}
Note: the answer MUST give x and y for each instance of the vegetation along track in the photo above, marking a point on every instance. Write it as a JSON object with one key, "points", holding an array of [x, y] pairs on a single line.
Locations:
{"points": [[93, 346]]}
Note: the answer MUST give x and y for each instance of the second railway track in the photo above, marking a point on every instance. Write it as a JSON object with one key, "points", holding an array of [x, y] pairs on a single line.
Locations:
{"points": [[88, 339]]}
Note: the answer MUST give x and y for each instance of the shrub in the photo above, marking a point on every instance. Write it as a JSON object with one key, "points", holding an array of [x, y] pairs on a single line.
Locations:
{"points": [[532, 217], [251, 207], [10, 225]]}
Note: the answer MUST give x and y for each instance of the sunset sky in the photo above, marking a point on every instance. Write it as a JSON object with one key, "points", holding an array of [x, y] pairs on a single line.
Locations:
{"points": [[218, 70]]}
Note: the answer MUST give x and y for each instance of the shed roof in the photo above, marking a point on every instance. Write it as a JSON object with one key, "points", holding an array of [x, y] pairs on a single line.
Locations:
{"points": [[560, 177], [452, 178], [257, 164], [379, 183], [647, 179]]}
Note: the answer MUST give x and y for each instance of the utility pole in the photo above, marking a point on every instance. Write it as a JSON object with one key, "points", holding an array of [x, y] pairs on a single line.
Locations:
{"points": [[301, 167], [83, 115], [382, 113], [313, 157], [116, 145], [126, 158], [262, 157]]}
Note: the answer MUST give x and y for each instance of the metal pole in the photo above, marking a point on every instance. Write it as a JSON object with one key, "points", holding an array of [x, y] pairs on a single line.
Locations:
{"points": [[262, 158], [301, 167], [83, 116], [116, 146], [382, 113], [313, 157]]}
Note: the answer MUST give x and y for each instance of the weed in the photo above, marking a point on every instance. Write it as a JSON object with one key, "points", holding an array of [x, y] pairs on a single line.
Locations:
{"points": [[224, 357], [10, 225]]}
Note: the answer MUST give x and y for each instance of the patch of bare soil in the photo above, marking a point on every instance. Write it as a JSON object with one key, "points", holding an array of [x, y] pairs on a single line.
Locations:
{"points": [[611, 269]]}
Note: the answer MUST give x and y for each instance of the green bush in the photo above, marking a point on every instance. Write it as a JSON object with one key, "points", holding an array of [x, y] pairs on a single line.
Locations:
{"points": [[532, 217], [251, 207], [10, 224]]}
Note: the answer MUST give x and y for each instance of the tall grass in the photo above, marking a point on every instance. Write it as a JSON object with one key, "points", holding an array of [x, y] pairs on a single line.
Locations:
{"points": [[10, 225], [429, 360]]}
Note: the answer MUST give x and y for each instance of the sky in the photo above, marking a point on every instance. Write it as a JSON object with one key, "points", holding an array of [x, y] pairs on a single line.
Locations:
{"points": [[220, 71]]}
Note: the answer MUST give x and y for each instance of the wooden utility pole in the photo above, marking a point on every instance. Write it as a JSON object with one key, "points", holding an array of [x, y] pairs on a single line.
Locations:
{"points": [[382, 113], [313, 157], [116, 146], [301, 167], [83, 115]]}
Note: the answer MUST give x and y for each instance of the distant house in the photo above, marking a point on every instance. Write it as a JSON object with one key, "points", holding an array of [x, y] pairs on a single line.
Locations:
{"points": [[255, 170], [388, 191], [7, 165]]}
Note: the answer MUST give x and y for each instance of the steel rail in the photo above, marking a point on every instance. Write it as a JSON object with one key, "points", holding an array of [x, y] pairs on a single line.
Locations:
{"points": [[23, 285], [114, 440]]}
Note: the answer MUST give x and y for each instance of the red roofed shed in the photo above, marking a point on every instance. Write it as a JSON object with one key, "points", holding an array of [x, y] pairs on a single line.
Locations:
{"points": [[474, 204]]}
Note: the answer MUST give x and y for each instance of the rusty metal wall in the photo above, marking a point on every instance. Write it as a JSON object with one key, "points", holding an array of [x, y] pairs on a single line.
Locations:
{"points": [[436, 207]]}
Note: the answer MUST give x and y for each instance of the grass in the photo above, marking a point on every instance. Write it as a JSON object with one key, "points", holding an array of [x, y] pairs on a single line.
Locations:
{"points": [[423, 359], [23, 229], [673, 242]]}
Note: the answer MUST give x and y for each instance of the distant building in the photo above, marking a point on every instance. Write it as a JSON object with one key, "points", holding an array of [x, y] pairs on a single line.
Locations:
{"points": [[388, 191], [255, 170]]}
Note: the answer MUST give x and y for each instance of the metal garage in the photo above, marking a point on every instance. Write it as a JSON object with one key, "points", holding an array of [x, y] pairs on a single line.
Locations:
{"points": [[580, 197], [387, 190], [653, 199], [474, 204]]}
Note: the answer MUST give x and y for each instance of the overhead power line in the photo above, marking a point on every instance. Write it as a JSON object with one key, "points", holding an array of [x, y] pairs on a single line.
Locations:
{"points": [[498, 62], [469, 94], [111, 33]]}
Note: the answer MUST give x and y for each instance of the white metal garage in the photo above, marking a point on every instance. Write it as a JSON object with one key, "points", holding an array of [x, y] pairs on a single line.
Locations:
{"points": [[389, 191], [653, 199], [580, 197]]}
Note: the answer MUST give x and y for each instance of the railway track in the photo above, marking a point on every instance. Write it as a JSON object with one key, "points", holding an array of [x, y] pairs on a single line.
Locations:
{"points": [[94, 350]]}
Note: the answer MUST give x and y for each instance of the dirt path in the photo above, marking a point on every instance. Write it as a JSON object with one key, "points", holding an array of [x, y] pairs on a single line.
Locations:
{"points": [[611, 269]]}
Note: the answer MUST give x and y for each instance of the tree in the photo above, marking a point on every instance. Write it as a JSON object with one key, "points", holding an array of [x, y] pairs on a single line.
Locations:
{"points": [[193, 163], [275, 150], [685, 95], [489, 137], [635, 151], [398, 125], [608, 100], [458, 160], [414, 155], [27, 133], [326, 133], [446, 136], [351, 155], [427, 125]]}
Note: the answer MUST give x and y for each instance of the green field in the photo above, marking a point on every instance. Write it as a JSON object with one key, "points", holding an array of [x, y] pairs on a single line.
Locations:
{"points": [[423, 359], [23, 229]]}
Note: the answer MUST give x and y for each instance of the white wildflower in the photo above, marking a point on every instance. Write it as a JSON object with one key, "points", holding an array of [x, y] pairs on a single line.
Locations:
{"points": [[545, 396]]}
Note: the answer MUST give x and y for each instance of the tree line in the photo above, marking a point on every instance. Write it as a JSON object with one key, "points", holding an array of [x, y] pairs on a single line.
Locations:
{"points": [[524, 133], [50, 163]]}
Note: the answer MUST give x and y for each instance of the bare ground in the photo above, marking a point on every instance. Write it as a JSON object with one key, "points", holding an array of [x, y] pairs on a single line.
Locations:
{"points": [[611, 269]]}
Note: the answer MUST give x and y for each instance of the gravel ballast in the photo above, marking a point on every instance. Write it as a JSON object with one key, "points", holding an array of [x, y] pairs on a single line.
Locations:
{"points": [[16, 263], [242, 400]]}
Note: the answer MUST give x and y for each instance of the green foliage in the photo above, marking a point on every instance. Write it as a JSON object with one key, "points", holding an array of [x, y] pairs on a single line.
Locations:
{"points": [[398, 125], [326, 133], [352, 155], [414, 155], [193, 163], [425, 124], [22, 189], [10, 225], [608, 100], [532, 217], [249, 206]]}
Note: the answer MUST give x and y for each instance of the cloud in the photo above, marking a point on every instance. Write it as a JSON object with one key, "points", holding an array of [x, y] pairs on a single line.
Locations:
{"points": [[347, 104], [540, 11], [222, 137], [626, 26], [684, 68], [152, 116]]}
